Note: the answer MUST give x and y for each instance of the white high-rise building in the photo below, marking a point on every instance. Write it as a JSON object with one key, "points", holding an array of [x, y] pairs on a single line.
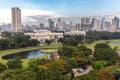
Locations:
{"points": [[96, 24], [16, 19]]}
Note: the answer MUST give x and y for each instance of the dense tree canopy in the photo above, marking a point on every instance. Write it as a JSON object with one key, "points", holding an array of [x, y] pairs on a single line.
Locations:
{"points": [[104, 52], [2, 67], [14, 63], [94, 35], [17, 41]]}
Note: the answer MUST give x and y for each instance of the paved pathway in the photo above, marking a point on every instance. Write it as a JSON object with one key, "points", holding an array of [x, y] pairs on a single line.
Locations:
{"points": [[85, 72]]}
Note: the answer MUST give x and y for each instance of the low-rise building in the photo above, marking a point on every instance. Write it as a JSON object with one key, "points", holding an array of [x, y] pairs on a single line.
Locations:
{"points": [[73, 33], [42, 35]]}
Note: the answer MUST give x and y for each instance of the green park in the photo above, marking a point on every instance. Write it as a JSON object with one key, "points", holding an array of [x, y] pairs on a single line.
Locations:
{"points": [[91, 57], [52, 48]]}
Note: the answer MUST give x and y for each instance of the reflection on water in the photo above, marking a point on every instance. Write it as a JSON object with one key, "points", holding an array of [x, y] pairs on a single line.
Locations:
{"points": [[28, 54], [33, 54], [112, 42]]}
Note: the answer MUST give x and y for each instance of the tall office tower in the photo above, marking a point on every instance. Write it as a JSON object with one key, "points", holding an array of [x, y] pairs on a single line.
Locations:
{"points": [[103, 23], [41, 26], [78, 26], [115, 22], [16, 19], [60, 24], [88, 20], [107, 25], [51, 24], [96, 24], [83, 20]]}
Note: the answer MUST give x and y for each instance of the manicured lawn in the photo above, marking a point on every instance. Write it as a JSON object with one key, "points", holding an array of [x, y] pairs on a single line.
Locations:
{"points": [[91, 46], [50, 48]]}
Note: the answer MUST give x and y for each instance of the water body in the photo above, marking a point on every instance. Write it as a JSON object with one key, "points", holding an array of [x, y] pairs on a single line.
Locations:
{"points": [[110, 42], [27, 54]]}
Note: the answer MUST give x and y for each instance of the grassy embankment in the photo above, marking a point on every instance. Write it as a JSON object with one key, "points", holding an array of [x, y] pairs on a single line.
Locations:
{"points": [[49, 49]]}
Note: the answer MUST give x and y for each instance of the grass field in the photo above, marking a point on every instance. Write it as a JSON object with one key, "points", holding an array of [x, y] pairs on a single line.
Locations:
{"points": [[50, 49], [91, 46]]}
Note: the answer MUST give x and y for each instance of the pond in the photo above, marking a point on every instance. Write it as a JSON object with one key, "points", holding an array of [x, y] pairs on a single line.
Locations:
{"points": [[23, 55], [110, 42]]}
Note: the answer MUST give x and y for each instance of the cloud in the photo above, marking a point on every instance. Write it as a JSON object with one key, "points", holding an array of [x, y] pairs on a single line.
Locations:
{"points": [[5, 14], [27, 9], [29, 12]]}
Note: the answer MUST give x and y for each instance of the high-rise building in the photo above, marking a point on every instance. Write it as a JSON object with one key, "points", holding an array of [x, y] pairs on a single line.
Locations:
{"points": [[103, 23], [88, 20], [41, 25], [16, 19], [60, 24], [96, 24], [115, 22], [107, 25], [78, 26], [83, 20], [51, 24]]}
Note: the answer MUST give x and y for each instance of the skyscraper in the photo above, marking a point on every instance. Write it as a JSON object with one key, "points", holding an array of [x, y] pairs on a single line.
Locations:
{"points": [[103, 23], [87, 20], [83, 20], [96, 24], [78, 26], [60, 24], [16, 19], [51, 24], [115, 22]]}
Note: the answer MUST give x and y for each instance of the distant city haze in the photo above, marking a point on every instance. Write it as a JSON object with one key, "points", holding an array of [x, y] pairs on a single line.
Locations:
{"points": [[58, 8]]}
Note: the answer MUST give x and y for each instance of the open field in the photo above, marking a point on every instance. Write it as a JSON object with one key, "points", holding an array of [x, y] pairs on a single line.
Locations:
{"points": [[50, 48], [91, 46]]}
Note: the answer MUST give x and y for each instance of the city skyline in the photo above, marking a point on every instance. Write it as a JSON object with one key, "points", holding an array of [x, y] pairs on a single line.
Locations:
{"points": [[59, 7]]}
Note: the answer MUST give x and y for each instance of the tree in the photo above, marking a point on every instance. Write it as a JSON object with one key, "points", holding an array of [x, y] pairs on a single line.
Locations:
{"points": [[53, 70], [70, 42], [100, 64], [102, 46], [61, 40], [104, 52], [27, 74], [14, 63], [33, 64], [67, 51], [34, 42], [86, 51], [106, 75], [19, 74], [2, 67], [48, 41]]}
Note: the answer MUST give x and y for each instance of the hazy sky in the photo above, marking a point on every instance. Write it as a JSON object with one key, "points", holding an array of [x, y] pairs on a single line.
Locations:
{"points": [[61, 7]]}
